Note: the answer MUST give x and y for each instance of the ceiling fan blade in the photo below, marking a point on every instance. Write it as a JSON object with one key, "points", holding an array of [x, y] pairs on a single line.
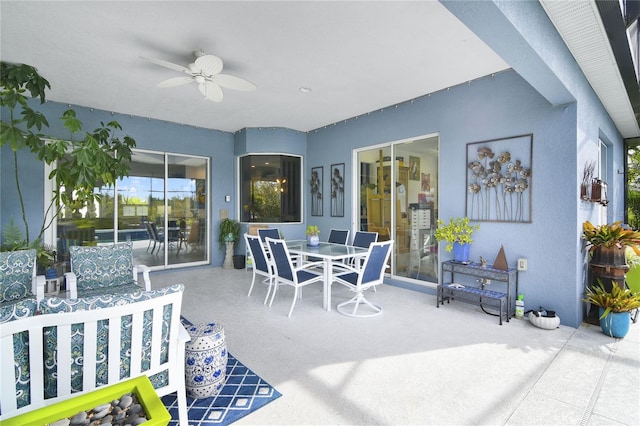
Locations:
{"points": [[233, 82], [211, 91], [176, 81], [166, 64], [209, 64]]}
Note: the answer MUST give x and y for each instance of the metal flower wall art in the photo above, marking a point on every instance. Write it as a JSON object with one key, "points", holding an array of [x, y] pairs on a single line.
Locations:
{"points": [[499, 180]]}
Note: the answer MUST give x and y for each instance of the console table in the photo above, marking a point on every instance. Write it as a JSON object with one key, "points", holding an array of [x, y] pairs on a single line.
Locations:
{"points": [[503, 301]]}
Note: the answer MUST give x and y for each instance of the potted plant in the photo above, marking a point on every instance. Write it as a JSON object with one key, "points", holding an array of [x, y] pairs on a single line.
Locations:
{"points": [[457, 233], [607, 244], [615, 307], [229, 235], [313, 235]]}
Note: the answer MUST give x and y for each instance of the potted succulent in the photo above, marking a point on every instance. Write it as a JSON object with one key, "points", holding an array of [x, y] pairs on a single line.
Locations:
{"points": [[615, 307], [228, 236], [313, 235], [607, 244], [457, 233]]}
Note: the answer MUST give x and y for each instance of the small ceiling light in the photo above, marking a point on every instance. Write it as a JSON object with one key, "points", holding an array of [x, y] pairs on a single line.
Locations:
{"points": [[305, 89]]}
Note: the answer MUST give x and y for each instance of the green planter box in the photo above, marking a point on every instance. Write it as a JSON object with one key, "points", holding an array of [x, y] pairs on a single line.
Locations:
{"points": [[155, 410]]}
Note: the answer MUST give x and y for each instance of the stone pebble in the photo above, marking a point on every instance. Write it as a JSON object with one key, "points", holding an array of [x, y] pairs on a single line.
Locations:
{"points": [[123, 411]]}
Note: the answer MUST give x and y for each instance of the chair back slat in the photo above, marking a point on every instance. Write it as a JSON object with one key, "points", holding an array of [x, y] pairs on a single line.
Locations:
{"points": [[257, 253], [364, 239], [88, 326], [339, 236], [376, 262], [281, 258], [268, 233]]}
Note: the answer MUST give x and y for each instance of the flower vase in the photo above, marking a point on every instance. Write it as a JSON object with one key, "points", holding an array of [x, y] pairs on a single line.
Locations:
{"points": [[313, 240], [461, 252]]}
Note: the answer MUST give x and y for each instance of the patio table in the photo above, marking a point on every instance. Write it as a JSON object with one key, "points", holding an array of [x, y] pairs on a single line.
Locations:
{"points": [[329, 253]]}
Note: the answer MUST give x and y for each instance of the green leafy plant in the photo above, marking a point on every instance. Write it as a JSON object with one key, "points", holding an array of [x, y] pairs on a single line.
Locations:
{"points": [[84, 161], [616, 300], [458, 230], [312, 231], [610, 235], [229, 231]]}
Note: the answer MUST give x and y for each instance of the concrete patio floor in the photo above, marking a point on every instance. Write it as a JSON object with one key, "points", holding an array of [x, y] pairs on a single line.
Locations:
{"points": [[415, 363]]}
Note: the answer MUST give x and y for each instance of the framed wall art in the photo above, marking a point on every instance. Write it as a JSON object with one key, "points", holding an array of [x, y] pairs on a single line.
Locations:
{"points": [[499, 179], [316, 190], [336, 181], [414, 168]]}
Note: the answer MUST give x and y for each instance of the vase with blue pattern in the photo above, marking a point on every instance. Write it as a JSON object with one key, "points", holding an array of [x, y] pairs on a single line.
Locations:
{"points": [[205, 360], [313, 240]]}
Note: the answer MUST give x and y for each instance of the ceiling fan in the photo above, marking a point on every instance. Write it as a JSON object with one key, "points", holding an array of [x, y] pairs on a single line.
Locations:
{"points": [[205, 71]]}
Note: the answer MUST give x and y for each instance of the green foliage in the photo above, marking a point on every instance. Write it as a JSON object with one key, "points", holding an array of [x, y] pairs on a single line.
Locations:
{"points": [[458, 230], [631, 257], [616, 300], [86, 160], [266, 201], [229, 231], [12, 238], [312, 230], [633, 208], [613, 235]]}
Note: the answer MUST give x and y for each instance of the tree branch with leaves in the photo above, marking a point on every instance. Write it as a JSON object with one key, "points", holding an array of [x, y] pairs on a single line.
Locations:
{"points": [[80, 163]]}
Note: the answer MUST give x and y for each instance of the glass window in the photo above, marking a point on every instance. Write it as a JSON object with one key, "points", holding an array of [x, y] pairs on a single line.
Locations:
{"points": [[270, 189]]}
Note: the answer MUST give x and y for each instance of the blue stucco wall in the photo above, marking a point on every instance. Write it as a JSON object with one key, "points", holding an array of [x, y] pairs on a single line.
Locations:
{"points": [[546, 95], [148, 134], [489, 108]]}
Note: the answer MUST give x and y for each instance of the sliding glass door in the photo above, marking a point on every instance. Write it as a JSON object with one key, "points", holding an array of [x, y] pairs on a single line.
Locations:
{"points": [[398, 200], [161, 207]]}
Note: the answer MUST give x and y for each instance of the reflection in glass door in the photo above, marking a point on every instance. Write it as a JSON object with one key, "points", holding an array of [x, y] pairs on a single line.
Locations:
{"points": [[186, 209], [161, 207], [166, 194], [398, 199]]}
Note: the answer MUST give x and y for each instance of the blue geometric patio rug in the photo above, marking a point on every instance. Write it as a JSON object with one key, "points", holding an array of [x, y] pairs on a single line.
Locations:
{"points": [[243, 393]]}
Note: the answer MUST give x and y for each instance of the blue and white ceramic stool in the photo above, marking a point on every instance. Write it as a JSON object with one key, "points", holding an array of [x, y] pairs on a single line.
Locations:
{"points": [[205, 360]]}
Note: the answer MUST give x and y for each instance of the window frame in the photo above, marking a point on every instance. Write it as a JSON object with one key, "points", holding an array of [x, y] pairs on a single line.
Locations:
{"points": [[298, 186]]}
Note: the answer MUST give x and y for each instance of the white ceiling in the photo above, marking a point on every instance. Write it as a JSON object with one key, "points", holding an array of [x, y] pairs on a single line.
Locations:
{"points": [[355, 57]]}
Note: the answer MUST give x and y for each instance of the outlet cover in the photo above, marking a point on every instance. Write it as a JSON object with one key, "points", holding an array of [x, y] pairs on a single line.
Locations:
{"points": [[522, 264]]}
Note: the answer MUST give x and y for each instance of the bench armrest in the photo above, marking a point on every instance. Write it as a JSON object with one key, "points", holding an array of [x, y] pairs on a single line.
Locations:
{"points": [[40, 283], [144, 269], [72, 284]]}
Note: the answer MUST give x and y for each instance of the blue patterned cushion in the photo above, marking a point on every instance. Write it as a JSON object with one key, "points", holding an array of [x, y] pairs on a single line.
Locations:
{"points": [[53, 305], [102, 266], [11, 311], [16, 273], [125, 289]]}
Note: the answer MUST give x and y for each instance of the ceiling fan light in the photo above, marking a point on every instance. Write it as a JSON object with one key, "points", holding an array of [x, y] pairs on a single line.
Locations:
{"points": [[199, 79]]}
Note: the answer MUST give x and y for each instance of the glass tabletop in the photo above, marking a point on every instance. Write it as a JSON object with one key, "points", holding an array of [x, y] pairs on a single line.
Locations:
{"points": [[325, 250]]}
